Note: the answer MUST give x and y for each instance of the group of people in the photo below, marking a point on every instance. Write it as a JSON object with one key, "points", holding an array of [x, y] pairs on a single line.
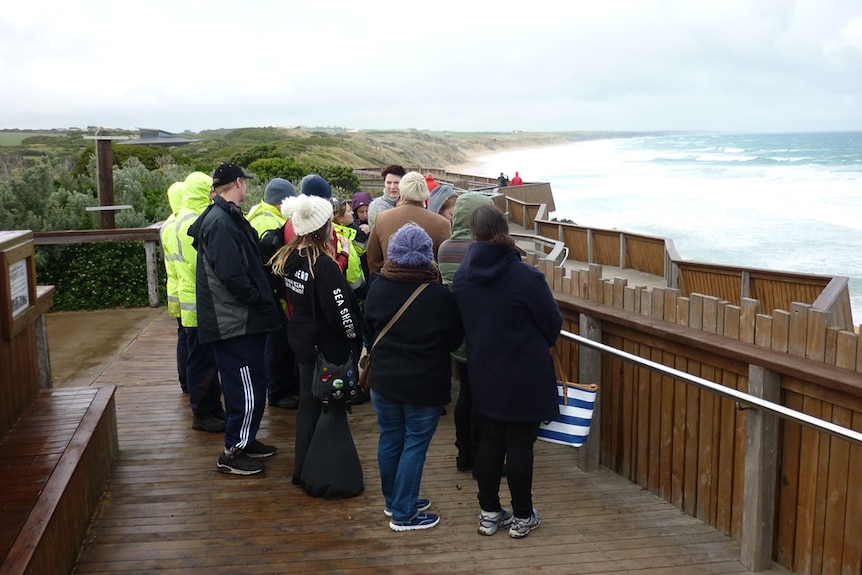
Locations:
{"points": [[504, 180], [413, 278]]}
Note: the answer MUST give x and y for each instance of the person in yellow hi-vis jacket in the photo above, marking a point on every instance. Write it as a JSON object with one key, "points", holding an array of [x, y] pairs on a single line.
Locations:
{"points": [[342, 218], [203, 382], [171, 254]]}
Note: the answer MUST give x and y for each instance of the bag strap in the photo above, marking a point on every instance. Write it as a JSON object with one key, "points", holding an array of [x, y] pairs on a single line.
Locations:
{"points": [[398, 314], [566, 384]]}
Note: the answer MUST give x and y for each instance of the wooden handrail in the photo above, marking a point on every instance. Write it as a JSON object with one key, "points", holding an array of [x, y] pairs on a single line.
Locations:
{"points": [[148, 235]]}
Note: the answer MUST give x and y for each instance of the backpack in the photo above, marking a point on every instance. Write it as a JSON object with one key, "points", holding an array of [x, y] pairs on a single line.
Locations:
{"points": [[270, 242]]}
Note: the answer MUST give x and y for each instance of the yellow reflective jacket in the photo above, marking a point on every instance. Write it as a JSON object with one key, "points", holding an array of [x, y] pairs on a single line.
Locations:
{"points": [[171, 246], [197, 198], [264, 217], [354, 274]]}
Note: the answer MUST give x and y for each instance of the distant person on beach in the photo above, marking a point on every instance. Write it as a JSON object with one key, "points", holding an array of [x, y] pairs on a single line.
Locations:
{"points": [[442, 201], [517, 181], [236, 309], [504, 180], [411, 380], [514, 387], [391, 192], [449, 258], [414, 194], [171, 255]]}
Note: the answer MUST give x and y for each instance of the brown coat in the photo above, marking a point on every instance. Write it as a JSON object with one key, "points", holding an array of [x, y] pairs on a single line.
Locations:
{"points": [[390, 221]]}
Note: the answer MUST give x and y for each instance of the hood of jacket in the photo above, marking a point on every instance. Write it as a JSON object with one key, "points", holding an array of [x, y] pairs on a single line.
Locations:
{"points": [[485, 262], [176, 195], [464, 206], [198, 187], [439, 196]]}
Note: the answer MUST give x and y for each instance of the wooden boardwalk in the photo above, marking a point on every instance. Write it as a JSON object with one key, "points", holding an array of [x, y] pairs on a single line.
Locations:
{"points": [[167, 510]]}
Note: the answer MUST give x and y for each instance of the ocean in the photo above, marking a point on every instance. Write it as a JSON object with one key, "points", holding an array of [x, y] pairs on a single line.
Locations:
{"points": [[790, 202]]}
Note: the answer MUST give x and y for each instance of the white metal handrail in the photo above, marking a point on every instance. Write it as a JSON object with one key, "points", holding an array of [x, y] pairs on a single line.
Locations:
{"points": [[741, 397]]}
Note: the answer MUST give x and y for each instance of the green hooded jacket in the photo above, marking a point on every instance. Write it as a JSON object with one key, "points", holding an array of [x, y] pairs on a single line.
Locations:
{"points": [[452, 251]]}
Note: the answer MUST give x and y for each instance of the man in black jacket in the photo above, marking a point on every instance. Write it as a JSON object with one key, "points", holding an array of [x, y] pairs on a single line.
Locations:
{"points": [[236, 309]]}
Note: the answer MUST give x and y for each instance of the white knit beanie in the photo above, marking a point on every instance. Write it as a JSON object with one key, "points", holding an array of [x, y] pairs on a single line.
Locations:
{"points": [[414, 187], [308, 213]]}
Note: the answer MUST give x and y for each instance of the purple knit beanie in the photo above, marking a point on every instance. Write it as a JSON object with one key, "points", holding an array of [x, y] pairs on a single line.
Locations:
{"points": [[411, 247]]}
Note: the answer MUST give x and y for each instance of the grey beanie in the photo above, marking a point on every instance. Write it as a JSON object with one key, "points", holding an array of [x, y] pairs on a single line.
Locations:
{"points": [[277, 190]]}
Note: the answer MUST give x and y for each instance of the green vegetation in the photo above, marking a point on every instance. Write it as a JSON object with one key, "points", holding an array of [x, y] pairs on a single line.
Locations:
{"points": [[48, 179]]}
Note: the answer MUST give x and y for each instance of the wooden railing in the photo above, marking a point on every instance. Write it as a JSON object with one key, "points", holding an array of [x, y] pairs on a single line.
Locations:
{"points": [[695, 448], [658, 256], [149, 236]]}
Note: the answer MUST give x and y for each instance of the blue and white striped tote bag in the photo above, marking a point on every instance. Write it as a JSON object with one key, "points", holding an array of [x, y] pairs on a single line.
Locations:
{"points": [[572, 426]]}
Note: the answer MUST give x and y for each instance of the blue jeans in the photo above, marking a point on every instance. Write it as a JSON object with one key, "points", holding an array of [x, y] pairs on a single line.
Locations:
{"points": [[406, 430]]}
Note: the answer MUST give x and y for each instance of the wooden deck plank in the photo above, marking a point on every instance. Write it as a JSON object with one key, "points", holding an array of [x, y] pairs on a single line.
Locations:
{"points": [[167, 510]]}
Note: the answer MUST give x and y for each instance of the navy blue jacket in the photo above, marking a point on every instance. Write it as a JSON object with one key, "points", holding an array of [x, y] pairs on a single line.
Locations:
{"points": [[511, 320], [233, 293]]}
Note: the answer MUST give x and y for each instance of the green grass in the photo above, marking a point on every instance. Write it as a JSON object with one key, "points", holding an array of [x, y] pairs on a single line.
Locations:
{"points": [[15, 138]]}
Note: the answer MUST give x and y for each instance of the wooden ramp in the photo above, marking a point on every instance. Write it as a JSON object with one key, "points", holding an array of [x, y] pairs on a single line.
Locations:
{"points": [[167, 510]]}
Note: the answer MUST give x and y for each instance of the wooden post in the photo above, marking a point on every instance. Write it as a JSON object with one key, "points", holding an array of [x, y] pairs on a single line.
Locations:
{"points": [[761, 472], [590, 371], [152, 275], [105, 180]]}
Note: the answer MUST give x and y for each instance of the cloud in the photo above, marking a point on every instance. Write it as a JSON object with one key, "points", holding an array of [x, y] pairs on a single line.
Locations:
{"points": [[736, 65]]}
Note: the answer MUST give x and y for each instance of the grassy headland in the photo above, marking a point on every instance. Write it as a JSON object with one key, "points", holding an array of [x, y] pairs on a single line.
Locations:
{"points": [[310, 146]]}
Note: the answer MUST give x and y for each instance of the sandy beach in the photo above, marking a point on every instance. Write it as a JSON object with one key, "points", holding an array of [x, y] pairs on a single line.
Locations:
{"points": [[479, 158]]}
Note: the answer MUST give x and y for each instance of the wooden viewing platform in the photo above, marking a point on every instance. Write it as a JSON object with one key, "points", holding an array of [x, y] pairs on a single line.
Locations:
{"points": [[167, 510]]}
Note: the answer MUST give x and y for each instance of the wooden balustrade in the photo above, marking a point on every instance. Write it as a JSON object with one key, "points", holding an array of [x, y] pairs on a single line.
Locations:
{"points": [[691, 447]]}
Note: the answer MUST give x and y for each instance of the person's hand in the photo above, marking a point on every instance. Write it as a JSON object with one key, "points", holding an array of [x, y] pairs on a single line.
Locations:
{"points": [[345, 244], [365, 228]]}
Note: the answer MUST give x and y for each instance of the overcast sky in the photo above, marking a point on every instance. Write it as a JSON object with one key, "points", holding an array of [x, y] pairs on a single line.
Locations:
{"points": [[725, 65]]}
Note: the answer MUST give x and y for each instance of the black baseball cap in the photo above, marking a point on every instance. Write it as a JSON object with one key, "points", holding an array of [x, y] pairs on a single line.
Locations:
{"points": [[226, 173]]}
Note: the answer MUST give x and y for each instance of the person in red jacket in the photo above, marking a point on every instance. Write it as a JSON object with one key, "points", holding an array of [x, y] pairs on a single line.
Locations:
{"points": [[516, 181]]}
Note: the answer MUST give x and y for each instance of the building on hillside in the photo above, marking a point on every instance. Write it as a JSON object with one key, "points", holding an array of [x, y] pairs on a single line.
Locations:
{"points": [[155, 137]]}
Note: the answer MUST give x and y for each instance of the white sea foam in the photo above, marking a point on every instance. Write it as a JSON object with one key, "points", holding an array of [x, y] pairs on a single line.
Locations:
{"points": [[788, 202]]}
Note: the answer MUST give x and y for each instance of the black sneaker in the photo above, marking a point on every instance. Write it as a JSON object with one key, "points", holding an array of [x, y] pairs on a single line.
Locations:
{"points": [[238, 463], [208, 423], [258, 450]]}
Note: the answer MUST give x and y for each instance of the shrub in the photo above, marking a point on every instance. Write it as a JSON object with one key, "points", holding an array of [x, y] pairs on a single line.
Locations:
{"points": [[97, 276]]}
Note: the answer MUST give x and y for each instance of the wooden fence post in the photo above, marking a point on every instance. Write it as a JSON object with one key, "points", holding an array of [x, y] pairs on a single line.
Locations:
{"points": [[590, 371], [761, 471], [152, 273]]}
